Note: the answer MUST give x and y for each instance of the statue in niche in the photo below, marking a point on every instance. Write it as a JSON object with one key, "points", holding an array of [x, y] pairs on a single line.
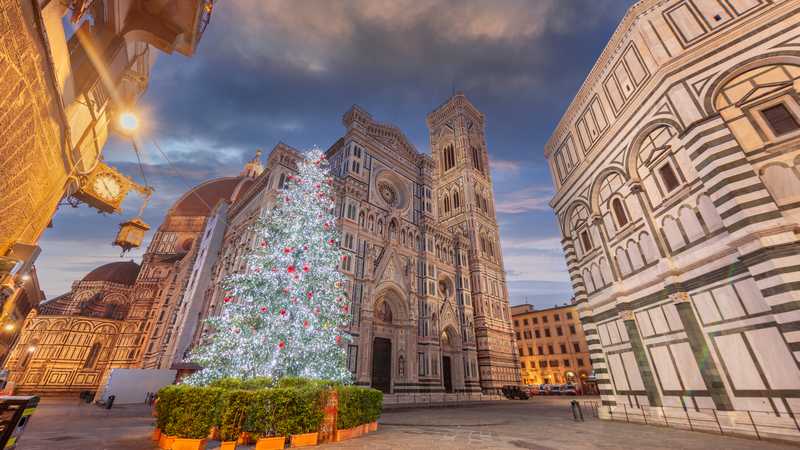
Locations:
{"points": [[383, 313], [401, 366]]}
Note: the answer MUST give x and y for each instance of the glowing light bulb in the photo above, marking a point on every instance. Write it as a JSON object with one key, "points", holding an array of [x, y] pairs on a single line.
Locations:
{"points": [[128, 121]]}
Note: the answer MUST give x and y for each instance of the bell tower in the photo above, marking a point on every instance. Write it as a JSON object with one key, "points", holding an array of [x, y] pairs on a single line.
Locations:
{"points": [[464, 196]]}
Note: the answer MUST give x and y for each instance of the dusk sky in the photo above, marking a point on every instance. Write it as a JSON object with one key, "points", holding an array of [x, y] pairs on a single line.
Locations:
{"points": [[286, 70]]}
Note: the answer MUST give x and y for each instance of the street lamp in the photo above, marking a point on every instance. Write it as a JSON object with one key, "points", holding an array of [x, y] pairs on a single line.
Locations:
{"points": [[9, 327]]}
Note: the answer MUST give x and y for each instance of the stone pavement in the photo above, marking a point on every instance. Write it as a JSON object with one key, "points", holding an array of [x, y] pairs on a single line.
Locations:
{"points": [[539, 424]]}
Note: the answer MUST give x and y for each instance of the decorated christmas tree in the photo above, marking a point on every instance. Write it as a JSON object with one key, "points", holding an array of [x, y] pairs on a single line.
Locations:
{"points": [[285, 314]]}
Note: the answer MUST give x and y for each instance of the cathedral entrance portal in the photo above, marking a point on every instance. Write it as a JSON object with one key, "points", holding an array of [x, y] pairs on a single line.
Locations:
{"points": [[447, 374], [382, 364]]}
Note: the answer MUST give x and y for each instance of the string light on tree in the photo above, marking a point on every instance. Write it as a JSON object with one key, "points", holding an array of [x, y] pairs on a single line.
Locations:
{"points": [[285, 315]]}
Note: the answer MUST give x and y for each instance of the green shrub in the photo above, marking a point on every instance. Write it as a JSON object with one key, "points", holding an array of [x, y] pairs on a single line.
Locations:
{"points": [[233, 415], [192, 411], [294, 407], [358, 405], [239, 383]]}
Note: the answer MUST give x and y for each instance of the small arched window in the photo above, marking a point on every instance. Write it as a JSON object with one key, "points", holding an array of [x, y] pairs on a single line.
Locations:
{"points": [[619, 212], [456, 201], [446, 204]]}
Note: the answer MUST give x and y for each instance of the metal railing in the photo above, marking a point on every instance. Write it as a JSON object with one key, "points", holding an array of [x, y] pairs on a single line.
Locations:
{"points": [[751, 423]]}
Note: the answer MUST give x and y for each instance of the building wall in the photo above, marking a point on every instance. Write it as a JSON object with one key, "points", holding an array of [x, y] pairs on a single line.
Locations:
{"points": [[677, 201], [552, 346]]}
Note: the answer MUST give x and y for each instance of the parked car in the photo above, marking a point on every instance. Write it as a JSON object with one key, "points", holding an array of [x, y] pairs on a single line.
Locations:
{"points": [[555, 389], [569, 389], [511, 392], [533, 389]]}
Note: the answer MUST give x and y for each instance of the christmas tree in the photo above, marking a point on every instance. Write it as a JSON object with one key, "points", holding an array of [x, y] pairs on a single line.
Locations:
{"points": [[284, 316]]}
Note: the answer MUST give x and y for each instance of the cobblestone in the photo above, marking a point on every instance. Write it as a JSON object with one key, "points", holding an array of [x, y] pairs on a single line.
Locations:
{"points": [[537, 424]]}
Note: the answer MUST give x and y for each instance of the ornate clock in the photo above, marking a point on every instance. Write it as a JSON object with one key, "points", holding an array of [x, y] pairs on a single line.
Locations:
{"points": [[104, 188]]}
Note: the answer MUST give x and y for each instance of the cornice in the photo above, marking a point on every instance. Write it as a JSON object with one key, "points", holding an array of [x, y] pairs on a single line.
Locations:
{"points": [[608, 55]]}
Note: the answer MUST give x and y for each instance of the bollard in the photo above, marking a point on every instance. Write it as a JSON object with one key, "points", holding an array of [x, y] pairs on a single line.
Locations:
{"points": [[110, 401], [577, 412]]}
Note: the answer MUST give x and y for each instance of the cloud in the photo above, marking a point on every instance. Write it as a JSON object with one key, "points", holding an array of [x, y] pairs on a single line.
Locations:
{"points": [[505, 166], [524, 200]]}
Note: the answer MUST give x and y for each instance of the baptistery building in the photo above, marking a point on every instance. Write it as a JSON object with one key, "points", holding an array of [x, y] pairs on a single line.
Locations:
{"points": [[677, 170]]}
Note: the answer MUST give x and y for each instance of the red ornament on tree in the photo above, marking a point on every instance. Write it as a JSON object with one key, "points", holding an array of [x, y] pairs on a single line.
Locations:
{"points": [[263, 309], [281, 345], [287, 250], [263, 244], [283, 311], [306, 268], [331, 241], [290, 269], [338, 339], [227, 299], [310, 295], [326, 226], [305, 324]]}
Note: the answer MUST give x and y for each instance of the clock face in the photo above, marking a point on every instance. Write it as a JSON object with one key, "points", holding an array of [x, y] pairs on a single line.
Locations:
{"points": [[107, 187]]}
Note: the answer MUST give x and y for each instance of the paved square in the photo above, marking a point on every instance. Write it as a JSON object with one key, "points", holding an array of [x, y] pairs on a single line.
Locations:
{"points": [[536, 424]]}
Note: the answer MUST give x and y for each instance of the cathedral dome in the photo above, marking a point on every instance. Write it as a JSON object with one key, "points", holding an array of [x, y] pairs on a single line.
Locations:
{"points": [[202, 199], [123, 272]]}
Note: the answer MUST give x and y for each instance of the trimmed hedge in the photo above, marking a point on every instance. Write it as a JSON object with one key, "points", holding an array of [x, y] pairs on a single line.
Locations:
{"points": [[294, 407], [188, 411], [358, 405]]}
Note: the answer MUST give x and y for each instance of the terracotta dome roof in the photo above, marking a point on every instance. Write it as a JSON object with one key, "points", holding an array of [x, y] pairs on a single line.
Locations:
{"points": [[200, 201], [123, 272]]}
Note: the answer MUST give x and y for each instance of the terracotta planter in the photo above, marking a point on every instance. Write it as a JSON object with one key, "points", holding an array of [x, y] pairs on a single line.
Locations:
{"points": [[304, 440], [227, 445], [189, 444], [373, 426], [156, 434], [165, 442], [364, 428], [271, 443], [245, 438], [344, 434]]}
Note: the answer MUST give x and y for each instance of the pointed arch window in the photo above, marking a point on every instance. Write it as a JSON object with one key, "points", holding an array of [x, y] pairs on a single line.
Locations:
{"points": [[476, 159], [619, 212], [446, 204], [456, 201], [448, 158]]}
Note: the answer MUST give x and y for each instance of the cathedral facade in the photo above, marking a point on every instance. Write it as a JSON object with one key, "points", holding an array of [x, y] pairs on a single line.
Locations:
{"points": [[677, 188], [430, 307], [429, 310]]}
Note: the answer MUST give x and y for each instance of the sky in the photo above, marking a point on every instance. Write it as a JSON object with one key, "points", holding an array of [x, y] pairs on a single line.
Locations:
{"points": [[287, 70]]}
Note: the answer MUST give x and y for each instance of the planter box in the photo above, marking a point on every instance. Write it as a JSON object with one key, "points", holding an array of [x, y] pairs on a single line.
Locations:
{"points": [[156, 434], [165, 442], [189, 444], [373, 426], [227, 445], [364, 428], [344, 434], [305, 440], [271, 443]]}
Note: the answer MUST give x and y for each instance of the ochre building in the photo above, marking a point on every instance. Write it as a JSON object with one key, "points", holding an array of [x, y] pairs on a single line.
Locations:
{"points": [[57, 112], [552, 346], [678, 196]]}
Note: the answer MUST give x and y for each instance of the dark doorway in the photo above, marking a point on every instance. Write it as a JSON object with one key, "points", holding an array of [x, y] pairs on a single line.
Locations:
{"points": [[446, 374], [382, 365]]}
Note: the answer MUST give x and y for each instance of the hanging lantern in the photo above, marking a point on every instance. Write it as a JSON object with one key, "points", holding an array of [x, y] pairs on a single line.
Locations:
{"points": [[131, 234]]}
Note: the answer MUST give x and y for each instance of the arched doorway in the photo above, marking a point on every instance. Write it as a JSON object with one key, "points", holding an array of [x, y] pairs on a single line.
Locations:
{"points": [[448, 342], [382, 350]]}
